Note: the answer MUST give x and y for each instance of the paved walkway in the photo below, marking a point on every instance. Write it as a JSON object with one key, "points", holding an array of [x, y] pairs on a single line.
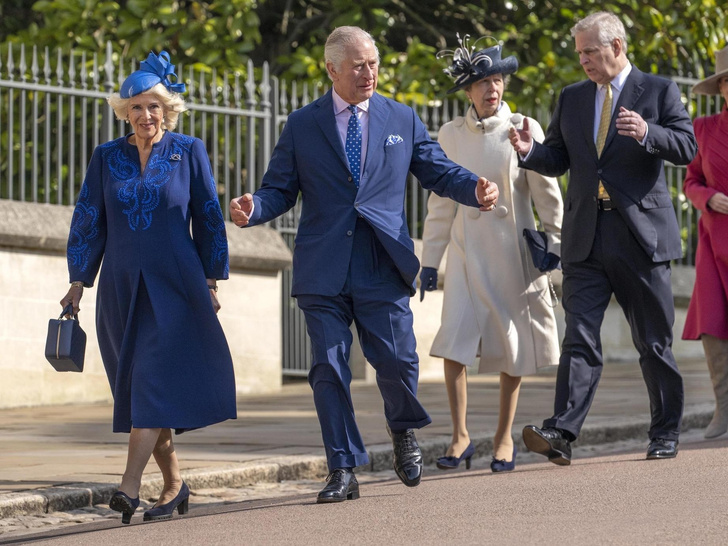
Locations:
{"points": [[64, 457]]}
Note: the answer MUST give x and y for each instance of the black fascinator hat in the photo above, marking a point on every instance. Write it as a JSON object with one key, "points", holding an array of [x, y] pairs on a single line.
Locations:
{"points": [[468, 65]]}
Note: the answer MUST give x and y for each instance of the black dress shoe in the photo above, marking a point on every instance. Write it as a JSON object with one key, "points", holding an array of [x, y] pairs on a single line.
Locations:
{"points": [[342, 486], [549, 442], [660, 448], [407, 457]]}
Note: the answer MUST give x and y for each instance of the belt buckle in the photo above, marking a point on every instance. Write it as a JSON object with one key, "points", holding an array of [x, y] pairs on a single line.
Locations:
{"points": [[605, 204]]}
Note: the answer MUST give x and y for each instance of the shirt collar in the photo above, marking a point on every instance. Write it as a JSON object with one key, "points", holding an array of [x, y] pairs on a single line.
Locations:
{"points": [[340, 104], [621, 78]]}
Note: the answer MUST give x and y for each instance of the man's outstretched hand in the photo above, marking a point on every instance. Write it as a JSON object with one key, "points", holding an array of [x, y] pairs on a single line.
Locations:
{"points": [[487, 192], [240, 209]]}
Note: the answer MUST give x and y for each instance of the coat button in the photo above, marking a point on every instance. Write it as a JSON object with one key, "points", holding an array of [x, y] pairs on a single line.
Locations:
{"points": [[349, 179], [349, 233], [599, 171], [501, 211]]}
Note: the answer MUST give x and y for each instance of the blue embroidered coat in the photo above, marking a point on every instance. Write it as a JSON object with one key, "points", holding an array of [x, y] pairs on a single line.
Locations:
{"points": [[163, 348]]}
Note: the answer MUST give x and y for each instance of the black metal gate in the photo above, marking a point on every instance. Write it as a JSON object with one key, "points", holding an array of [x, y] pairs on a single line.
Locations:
{"points": [[296, 343]]}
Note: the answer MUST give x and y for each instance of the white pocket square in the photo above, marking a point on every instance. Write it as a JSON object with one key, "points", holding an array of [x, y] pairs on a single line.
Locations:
{"points": [[393, 139]]}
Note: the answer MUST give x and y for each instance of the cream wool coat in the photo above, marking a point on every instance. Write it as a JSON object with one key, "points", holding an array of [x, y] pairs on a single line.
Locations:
{"points": [[496, 304]]}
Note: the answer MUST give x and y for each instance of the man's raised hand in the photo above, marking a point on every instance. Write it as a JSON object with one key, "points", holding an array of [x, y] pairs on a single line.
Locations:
{"points": [[521, 139]]}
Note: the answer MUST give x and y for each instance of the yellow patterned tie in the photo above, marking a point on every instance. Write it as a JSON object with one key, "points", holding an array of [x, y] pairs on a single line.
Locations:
{"points": [[602, 133]]}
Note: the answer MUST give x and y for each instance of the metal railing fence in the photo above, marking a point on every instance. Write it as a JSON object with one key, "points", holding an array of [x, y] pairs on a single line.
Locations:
{"points": [[53, 113], [687, 215], [51, 119]]}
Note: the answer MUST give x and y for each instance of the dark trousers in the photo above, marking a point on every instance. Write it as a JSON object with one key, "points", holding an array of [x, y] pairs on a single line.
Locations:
{"points": [[376, 299], [617, 265]]}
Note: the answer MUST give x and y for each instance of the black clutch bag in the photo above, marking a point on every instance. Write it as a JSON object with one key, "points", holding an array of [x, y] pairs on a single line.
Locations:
{"points": [[543, 260], [65, 343]]}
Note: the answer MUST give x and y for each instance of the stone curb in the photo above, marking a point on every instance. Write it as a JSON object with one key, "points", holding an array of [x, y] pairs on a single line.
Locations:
{"points": [[380, 456], [79, 495]]}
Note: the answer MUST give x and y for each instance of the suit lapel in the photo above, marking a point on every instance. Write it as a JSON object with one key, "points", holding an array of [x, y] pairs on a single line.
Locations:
{"points": [[587, 121], [324, 116], [631, 92], [378, 116]]}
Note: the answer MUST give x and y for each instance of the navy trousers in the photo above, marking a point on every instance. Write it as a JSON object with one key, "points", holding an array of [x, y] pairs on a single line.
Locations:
{"points": [[617, 265], [376, 299]]}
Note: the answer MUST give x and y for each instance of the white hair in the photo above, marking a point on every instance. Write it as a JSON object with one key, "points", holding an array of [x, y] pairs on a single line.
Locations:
{"points": [[339, 39], [173, 105], [608, 26]]}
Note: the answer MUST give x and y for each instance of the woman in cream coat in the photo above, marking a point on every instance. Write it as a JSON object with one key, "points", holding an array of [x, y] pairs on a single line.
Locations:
{"points": [[497, 308]]}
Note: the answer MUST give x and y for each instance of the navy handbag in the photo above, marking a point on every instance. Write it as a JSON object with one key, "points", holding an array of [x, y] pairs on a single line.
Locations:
{"points": [[542, 259], [66, 342]]}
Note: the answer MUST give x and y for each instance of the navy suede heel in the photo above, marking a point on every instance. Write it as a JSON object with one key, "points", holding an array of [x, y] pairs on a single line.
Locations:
{"points": [[121, 502], [164, 511], [448, 463], [501, 465]]}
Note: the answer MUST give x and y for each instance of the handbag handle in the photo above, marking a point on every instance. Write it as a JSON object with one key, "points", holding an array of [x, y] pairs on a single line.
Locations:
{"points": [[68, 310]]}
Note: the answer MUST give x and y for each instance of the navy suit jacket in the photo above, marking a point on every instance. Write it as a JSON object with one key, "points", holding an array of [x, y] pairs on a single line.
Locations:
{"points": [[309, 158], [632, 174]]}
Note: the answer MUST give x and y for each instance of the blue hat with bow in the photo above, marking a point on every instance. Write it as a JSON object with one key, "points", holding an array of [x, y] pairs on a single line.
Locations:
{"points": [[155, 69], [469, 66]]}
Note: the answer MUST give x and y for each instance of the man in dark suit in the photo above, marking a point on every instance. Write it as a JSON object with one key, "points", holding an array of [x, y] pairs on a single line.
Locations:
{"points": [[613, 132], [348, 154]]}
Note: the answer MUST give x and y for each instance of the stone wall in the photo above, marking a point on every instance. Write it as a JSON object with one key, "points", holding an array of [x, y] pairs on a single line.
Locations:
{"points": [[34, 277]]}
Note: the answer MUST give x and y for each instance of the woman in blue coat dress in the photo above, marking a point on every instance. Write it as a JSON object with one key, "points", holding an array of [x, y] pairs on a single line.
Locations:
{"points": [[164, 351]]}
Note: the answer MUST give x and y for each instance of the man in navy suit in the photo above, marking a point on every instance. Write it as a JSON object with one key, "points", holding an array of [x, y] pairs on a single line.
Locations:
{"points": [[348, 154], [619, 231]]}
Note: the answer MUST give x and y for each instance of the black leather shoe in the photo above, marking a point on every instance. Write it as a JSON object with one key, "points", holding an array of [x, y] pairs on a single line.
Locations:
{"points": [[407, 457], [660, 448], [549, 442], [342, 486]]}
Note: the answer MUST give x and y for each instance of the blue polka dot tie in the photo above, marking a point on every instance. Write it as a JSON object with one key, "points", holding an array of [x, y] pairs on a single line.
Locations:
{"points": [[353, 144]]}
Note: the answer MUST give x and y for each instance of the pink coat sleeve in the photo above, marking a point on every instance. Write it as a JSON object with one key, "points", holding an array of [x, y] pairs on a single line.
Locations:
{"points": [[694, 185]]}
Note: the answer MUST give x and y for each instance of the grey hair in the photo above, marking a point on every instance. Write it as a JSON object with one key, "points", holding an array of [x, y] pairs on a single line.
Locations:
{"points": [[608, 25], [339, 39], [173, 104]]}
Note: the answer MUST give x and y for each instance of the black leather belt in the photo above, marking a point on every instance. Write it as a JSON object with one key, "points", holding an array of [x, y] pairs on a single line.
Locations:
{"points": [[605, 204]]}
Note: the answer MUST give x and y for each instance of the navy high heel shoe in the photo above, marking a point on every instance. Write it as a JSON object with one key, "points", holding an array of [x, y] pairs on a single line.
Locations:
{"points": [[501, 465], [164, 511], [121, 502], [448, 463]]}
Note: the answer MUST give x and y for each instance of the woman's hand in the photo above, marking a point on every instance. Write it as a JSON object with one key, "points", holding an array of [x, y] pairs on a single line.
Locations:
{"points": [[215, 304], [718, 203], [212, 288], [73, 297]]}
